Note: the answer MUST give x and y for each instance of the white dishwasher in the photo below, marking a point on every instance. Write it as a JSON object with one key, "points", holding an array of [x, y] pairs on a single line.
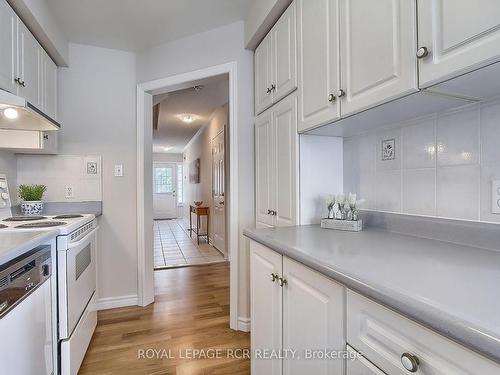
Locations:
{"points": [[26, 337]]}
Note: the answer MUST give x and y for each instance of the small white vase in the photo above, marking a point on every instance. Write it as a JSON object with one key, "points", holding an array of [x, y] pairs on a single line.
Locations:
{"points": [[32, 208]]}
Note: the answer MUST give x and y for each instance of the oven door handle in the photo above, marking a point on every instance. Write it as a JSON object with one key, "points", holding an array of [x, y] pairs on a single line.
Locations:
{"points": [[84, 239]]}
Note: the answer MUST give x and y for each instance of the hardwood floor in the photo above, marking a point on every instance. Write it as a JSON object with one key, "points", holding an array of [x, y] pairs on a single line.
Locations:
{"points": [[191, 311]]}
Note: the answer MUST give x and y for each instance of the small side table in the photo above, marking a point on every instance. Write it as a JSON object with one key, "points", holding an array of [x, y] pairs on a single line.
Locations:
{"points": [[199, 212]]}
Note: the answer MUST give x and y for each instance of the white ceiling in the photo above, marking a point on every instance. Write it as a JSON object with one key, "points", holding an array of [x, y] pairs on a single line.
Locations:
{"points": [[139, 24], [174, 133]]}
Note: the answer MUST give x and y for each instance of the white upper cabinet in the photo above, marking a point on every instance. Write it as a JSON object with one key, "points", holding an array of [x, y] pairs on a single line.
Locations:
{"points": [[318, 62], [8, 25], [263, 97], [275, 62], [264, 178], [286, 163], [49, 85], [28, 66], [276, 165], [456, 36], [313, 318], [284, 55], [377, 49]]}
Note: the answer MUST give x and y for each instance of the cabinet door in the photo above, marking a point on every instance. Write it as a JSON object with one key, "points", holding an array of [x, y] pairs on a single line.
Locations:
{"points": [[28, 65], [263, 93], [285, 154], [266, 308], [313, 319], [358, 365], [49, 86], [459, 35], [8, 42], [377, 47], [264, 175], [284, 54], [318, 62]]}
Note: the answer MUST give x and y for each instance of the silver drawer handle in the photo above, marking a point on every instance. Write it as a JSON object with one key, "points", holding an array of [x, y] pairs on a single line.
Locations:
{"points": [[410, 362]]}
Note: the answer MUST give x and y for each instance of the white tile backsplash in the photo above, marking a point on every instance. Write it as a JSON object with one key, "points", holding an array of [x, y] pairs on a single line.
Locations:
{"points": [[388, 191], [458, 137], [59, 171], [443, 167], [419, 191], [458, 192], [419, 144]]}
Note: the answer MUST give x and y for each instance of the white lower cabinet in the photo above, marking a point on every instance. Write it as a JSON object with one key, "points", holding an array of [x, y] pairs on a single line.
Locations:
{"points": [[313, 321], [299, 315], [296, 312], [359, 365], [266, 308], [399, 346]]}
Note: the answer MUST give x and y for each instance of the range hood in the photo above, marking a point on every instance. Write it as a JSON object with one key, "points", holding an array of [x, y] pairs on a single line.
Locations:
{"points": [[18, 114]]}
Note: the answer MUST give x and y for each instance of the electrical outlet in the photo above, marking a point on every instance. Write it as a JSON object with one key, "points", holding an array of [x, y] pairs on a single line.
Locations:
{"points": [[495, 197], [118, 170], [69, 192]]}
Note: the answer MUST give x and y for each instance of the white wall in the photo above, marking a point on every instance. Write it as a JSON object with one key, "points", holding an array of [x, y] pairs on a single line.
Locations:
{"points": [[444, 165], [8, 166], [201, 147], [321, 174], [97, 110], [167, 158], [261, 16], [214, 47]]}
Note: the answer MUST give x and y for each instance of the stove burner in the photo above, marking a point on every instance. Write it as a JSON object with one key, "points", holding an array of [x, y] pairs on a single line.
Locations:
{"points": [[25, 218], [42, 224], [67, 216], [3, 226]]}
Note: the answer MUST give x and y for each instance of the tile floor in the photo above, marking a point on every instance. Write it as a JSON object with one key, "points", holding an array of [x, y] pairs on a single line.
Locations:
{"points": [[174, 248]]}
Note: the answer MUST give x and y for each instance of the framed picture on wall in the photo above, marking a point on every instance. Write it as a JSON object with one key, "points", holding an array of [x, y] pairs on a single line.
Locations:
{"points": [[194, 172]]}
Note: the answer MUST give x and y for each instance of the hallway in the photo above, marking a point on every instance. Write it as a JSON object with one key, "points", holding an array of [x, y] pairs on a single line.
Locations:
{"points": [[174, 248], [191, 311]]}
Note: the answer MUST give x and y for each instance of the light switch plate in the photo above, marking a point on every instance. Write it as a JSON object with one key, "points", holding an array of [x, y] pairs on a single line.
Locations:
{"points": [[495, 197], [118, 170]]}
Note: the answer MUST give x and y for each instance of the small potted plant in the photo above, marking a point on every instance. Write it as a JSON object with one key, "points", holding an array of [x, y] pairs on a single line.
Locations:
{"points": [[31, 196]]}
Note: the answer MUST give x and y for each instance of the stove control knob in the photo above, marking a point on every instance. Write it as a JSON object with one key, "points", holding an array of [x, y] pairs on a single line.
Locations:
{"points": [[3, 185], [5, 196]]}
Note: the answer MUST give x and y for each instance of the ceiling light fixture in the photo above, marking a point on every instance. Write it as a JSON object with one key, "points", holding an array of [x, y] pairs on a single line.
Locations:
{"points": [[188, 118], [10, 113]]}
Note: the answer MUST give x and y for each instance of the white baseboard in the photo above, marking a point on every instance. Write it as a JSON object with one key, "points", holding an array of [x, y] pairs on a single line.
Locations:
{"points": [[114, 302], [244, 324]]}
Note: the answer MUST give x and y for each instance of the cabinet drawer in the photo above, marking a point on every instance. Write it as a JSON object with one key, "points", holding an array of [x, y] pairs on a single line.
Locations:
{"points": [[360, 365], [383, 336]]}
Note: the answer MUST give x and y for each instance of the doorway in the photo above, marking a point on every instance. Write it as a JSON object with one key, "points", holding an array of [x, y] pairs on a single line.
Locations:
{"points": [[145, 93], [164, 193]]}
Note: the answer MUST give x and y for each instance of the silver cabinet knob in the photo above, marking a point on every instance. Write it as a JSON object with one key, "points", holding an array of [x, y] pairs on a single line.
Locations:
{"points": [[331, 98], [422, 52], [410, 362], [341, 93]]}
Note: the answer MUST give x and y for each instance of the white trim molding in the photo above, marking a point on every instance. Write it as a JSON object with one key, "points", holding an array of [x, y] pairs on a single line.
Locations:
{"points": [[244, 324], [114, 302], [144, 260]]}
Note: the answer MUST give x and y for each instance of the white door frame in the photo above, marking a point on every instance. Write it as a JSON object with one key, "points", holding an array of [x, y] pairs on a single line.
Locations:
{"points": [[145, 292]]}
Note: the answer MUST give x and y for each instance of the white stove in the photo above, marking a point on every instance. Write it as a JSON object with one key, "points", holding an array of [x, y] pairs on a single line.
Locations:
{"points": [[76, 275]]}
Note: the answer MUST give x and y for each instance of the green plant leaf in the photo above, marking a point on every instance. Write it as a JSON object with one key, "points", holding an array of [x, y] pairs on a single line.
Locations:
{"points": [[30, 193]]}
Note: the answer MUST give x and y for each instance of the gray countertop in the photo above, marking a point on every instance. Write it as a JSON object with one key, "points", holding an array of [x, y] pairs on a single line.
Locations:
{"points": [[450, 288], [13, 244]]}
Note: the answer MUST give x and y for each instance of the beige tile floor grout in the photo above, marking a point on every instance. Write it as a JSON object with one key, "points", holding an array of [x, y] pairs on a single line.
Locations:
{"points": [[174, 248]]}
